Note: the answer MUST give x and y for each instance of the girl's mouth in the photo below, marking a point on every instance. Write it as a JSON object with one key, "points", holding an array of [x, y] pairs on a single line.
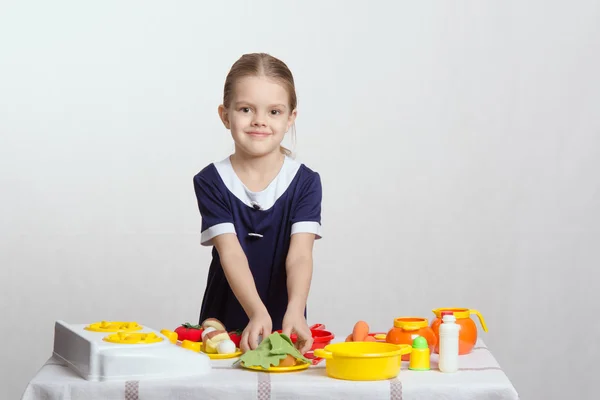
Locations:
{"points": [[258, 134]]}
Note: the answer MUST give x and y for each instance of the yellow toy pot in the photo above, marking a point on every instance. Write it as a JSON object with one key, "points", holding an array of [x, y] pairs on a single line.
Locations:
{"points": [[363, 361]]}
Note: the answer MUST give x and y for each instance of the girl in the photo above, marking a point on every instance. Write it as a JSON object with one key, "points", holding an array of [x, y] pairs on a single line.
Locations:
{"points": [[260, 210]]}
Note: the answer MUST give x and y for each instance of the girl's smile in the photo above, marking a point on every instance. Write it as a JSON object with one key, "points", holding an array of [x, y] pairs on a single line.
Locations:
{"points": [[258, 134]]}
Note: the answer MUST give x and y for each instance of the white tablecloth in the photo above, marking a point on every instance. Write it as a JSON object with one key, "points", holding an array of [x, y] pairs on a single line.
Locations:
{"points": [[480, 377]]}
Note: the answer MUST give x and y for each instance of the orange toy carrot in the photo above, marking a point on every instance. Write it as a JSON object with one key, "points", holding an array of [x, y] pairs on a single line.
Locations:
{"points": [[360, 332]]}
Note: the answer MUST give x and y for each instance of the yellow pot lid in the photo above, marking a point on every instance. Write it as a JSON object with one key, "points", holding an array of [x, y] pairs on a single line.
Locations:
{"points": [[113, 326], [411, 323], [133, 338]]}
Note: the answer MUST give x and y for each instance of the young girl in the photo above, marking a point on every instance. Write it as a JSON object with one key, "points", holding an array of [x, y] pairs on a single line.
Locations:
{"points": [[260, 209]]}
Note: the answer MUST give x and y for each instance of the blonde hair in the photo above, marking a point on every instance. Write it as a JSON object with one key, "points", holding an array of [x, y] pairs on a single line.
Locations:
{"points": [[262, 64]]}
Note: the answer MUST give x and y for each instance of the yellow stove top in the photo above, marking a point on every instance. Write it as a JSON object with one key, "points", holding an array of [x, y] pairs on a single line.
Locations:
{"points": [[114, 326]]}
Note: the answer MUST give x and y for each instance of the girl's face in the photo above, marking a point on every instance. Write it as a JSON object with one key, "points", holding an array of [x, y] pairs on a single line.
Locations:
{"points": [[259, 115]]}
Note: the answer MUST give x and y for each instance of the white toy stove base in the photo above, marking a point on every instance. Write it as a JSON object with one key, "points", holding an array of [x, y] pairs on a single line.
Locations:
{"points": [[95, 359]]}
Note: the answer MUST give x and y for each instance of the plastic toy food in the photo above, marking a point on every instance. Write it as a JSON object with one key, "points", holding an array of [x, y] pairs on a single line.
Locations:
{"points": [[207, 331], [213, 322], [236, 337], [226, 347], [360, 333], [277, 350], [189, 332], [288, 361], [212, 339]]}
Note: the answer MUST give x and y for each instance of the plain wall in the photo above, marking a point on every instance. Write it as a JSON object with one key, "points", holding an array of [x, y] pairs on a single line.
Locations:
{"points": [[458, 145]]}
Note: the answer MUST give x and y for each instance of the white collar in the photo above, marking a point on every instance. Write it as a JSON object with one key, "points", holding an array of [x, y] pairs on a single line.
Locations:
{"points": [[265, 199]]}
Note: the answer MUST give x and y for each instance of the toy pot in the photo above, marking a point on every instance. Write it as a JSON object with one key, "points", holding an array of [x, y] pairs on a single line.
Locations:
{"points": [[406, 329], [467, 336], [362, 361]]}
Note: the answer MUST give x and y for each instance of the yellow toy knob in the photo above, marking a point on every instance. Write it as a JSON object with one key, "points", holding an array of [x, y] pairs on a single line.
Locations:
{"points": [[188, 344], [172, 336]]}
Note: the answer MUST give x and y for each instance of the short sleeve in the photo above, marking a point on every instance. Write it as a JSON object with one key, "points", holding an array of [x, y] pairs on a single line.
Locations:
{"points": [[306, 216], [216, 215]]}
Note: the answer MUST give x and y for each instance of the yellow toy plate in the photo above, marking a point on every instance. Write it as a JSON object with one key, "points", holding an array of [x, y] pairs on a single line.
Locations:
{"points": [[297, 367], [217, 356]]}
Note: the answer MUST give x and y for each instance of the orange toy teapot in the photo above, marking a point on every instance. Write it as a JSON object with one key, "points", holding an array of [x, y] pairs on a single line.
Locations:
{"points": [[467, 336], [406, 329]]}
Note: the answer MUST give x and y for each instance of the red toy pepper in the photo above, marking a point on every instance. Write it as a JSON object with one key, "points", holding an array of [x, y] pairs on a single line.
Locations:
{"points": [[236, 337]]}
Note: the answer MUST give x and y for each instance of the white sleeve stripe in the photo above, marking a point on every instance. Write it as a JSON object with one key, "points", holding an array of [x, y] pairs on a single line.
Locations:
{"points": [[207, 236], [307, 227]]}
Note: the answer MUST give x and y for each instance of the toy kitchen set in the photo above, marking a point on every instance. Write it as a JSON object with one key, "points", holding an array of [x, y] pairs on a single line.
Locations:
{"points": [[109, 350]]}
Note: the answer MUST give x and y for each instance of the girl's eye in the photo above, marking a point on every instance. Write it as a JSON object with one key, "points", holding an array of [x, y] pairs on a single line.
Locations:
{"points": [[245, 109], [275, 112]]}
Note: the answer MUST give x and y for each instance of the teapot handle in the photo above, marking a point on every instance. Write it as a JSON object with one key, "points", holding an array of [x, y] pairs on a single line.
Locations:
{"points": [[481, 320]]}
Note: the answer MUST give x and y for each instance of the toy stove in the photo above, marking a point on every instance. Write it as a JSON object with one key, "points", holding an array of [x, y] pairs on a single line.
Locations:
{"points": [[112, 350]]}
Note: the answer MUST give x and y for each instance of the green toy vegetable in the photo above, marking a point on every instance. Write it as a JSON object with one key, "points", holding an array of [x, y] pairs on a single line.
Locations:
{"points": [[271, 351]]}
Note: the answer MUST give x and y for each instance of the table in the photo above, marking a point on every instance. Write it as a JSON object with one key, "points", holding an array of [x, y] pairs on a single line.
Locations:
{"points": [[479, 377]]}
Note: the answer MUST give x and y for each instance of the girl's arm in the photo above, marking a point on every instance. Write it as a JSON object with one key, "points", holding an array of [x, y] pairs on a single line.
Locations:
{"points": [[238, 274], [299, 267]]}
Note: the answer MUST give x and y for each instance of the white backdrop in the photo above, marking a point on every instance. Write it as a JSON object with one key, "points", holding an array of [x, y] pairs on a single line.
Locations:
{"points": [[458, 144]]}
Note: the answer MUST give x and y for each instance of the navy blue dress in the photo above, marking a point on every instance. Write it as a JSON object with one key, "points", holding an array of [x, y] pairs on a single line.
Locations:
{"points": [[264, 223]]}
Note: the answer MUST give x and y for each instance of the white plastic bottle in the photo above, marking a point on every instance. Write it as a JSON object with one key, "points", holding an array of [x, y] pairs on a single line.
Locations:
{"points": [[448, 361]]}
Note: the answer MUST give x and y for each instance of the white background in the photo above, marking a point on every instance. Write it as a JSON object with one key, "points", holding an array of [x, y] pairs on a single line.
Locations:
{"points": [[458, 144]]}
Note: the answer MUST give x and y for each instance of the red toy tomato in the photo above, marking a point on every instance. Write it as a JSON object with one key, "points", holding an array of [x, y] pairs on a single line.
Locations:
{"points": [[189, 332], [236, 337]]}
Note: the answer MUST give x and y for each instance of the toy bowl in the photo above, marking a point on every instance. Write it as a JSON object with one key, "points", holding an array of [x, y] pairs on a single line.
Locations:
{"points": [[321, 337]]}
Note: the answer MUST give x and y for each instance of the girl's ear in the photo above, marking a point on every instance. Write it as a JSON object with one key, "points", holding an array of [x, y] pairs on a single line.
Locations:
{"points": [[292, 119], [224, 116]]}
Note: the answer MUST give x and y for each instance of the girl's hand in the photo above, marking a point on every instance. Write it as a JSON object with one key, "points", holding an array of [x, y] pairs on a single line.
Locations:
{"points": [[260, 325], [294, 321]]}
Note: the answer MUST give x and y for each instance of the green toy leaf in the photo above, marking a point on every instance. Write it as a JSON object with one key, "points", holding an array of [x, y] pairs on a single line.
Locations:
{"points": [[263, 359], [271, 351]]}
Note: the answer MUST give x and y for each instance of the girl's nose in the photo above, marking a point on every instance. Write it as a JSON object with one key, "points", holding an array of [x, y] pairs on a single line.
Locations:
{"points": [[258, 120]]}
